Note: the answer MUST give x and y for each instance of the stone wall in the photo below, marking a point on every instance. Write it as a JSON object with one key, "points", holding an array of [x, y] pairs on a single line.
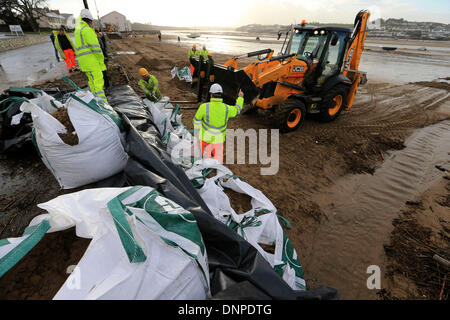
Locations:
{"points": [[10, 43]]}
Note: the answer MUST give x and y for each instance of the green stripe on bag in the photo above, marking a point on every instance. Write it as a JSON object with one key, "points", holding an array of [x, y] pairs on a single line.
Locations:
{"points": [[15, 255], [134, 251]]}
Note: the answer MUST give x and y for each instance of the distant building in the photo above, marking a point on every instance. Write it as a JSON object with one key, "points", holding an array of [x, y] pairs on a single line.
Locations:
{"points": [[116, 19], [374, 25], [50, 19], [71, 21]]}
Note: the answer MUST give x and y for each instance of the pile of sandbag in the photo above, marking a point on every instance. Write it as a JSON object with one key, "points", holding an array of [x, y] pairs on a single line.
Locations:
{"points": [[153, 245], [179, 142], [144, 246], [260, 226], [79, 141]]}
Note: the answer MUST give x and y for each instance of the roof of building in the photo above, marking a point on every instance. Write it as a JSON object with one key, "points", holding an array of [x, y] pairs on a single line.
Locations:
{"points": [[67, 15], [112, 12], [53, 15]]}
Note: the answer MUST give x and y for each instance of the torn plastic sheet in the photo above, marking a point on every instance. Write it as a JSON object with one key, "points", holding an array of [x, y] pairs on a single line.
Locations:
{"points": [[233, 261], [182, 74]]}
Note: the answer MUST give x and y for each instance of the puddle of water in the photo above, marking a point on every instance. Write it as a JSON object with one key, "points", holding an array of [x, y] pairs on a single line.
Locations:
{"points": [[24, 66], [361, 208]]}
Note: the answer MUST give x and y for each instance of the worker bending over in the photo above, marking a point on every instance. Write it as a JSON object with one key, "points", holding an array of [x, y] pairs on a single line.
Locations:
{"points": [[89, 53], [64, 45], [149, 84], [211, 120]]}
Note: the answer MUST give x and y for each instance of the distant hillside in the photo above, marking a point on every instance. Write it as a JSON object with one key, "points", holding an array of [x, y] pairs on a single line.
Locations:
{"points": [[274, 28], [136, 26], [259, 28]]}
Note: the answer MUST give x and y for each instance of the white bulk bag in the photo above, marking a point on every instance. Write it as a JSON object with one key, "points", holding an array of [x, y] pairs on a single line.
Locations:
{"points": [[144, 246], [161, 115], [260, 225], [99, 153]]}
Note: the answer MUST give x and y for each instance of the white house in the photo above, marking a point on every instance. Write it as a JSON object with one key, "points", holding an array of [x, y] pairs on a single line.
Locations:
{"points": [[374, 24], [71, 21], [50, 19], [118, 20]]}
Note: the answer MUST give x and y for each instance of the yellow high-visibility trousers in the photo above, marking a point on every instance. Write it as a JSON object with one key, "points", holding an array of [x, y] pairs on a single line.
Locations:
{"points": [[96, 84]]}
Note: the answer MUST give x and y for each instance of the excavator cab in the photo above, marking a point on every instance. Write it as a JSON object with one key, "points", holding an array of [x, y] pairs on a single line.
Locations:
{"points": [[321, 49], [316, 72]]}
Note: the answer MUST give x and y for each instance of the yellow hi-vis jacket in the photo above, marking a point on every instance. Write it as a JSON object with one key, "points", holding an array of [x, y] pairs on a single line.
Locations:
{"points": [[204, 54], [87, 49], [211, 119], [193, 53], [58, 47]]}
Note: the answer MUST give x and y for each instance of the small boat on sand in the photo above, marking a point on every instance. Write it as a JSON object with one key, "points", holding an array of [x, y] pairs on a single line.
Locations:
{"points": [[193, 35], [389, 48]]}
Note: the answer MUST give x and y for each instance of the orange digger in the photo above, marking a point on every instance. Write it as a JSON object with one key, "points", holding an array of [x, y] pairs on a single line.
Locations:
{"points": [[315, 73]]}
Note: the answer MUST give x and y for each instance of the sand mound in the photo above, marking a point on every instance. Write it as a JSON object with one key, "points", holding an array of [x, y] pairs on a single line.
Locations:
{"points": [[42, 272], [240, 202], [70, 138], [155, 64], [434, 84]]}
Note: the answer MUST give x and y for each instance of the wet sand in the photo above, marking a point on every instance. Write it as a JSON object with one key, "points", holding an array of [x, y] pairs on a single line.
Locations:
{"points": [[317, 164]]}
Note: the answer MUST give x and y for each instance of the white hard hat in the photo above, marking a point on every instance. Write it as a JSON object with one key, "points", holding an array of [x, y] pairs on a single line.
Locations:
{"points": [[216, 88], [85, 13]]}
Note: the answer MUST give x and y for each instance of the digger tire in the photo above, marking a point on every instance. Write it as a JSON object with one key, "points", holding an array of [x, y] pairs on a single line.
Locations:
{"points": [[290, 115], [334, 101]]}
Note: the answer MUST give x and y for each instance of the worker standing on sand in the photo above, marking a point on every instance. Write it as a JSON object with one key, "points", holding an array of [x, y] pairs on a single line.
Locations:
{"points": [[65, 47], [89, 53], [193, 52], [204, 53], [149, 84], [211, 120]]}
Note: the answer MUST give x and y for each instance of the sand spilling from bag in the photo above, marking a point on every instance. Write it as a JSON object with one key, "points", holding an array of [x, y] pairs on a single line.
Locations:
{"points": [[70, 138]]}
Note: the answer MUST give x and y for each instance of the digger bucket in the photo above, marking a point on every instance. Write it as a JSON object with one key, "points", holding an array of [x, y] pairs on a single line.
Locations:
{"points": [[231, 81]]}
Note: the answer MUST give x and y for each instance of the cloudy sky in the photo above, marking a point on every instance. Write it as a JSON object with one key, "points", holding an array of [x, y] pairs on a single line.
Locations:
{"points": [[231, 13]]}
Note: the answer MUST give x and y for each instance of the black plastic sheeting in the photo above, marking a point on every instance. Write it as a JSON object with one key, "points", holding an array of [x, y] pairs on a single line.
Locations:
{"points": [[237, 269], [14, 137]]}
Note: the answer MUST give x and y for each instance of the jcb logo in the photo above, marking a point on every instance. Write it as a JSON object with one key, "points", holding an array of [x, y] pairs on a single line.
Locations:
{"points": [[298, 69]]}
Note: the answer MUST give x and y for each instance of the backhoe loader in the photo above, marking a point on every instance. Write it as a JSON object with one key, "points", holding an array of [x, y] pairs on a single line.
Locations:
{"points": [[316, 72]]}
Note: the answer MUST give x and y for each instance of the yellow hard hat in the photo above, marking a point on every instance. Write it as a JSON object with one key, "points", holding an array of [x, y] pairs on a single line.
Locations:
{"points": [[143, 72]]}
